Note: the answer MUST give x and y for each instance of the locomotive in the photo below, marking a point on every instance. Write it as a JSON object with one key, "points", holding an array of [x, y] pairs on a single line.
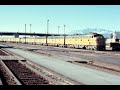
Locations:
{"points": [[91, 41]]}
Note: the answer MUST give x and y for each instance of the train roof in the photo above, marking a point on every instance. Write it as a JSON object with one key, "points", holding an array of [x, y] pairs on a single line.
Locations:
{"points": [[89, 34], [78, 35]]}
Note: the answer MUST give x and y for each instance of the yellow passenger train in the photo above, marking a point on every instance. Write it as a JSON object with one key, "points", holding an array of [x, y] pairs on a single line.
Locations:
{"points": [[92, 41]]}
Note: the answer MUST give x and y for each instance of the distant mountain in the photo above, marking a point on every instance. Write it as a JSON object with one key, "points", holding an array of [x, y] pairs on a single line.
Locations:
{"points": [[104, 32]]}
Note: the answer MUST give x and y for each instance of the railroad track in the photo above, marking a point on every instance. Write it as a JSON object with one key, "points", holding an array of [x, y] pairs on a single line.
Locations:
{"points": [[24, 74], [12, 72], [16, 72]]}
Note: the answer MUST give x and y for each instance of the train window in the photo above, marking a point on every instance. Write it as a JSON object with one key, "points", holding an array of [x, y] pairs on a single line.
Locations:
{"points": [[95, 35], [98, 35]]}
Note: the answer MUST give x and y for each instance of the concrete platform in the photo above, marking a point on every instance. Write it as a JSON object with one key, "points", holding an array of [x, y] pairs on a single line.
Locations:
{"points": [[84, 75], [5, 46], [11, 58]]}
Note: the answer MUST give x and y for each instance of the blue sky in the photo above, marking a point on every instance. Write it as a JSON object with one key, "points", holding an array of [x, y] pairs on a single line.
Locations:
{"points": [[14, 17]]}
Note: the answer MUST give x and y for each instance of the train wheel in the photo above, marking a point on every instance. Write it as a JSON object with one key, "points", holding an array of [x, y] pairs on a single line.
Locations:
{"points": [[89, 47], [84, 47], [93, 48]]}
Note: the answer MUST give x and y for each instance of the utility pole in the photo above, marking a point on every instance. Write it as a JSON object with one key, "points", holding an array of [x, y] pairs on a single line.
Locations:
{"points": [[47, 26], [47, 31], [64, 29], [30, 28], [25, 33], [58, 29], [64, 35]]}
